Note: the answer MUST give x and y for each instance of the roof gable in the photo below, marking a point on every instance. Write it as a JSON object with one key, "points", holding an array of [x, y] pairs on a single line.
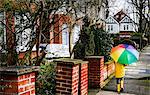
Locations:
{"points": [[126, 19], [111, 20]]}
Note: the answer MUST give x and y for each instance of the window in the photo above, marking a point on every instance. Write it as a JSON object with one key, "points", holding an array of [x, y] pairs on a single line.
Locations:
{"points": [[124, 27], [108, 27], [127, 27], [111, 27], [76, 32], [65, 34]]}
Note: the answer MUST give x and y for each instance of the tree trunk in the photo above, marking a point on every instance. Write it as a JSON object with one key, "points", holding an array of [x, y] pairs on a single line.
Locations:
{"points": [[12, 54]]}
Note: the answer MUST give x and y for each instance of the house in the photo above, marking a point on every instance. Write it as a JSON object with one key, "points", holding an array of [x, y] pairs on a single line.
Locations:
{"points": [[112, 25], [56, 38], [120, 24]]}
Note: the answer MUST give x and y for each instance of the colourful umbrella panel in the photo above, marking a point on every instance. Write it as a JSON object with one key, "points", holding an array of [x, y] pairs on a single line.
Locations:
{"points": [[124, 54]]}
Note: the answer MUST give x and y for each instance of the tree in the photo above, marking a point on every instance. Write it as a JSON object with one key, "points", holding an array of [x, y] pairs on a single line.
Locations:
{"points": [[103, 43], [94, 40], [36, 18], [142, 10], [85, 45]]}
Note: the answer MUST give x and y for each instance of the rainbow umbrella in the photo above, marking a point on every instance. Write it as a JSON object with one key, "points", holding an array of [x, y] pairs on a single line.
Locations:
{"points": [[124, 54]]}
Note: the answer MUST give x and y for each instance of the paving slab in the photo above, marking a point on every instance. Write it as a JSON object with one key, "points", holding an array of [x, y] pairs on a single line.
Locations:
{"points": [[112, 93]]}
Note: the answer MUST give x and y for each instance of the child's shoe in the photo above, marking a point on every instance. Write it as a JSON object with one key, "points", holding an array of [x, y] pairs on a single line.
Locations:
{"points": [[122, 89]]}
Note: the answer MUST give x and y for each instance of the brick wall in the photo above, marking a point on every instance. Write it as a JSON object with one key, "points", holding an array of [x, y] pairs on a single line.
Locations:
{"points": [[56, 35], [67, 78], [105, 72], [71, 77], [110, 68], [101, 70], [95, 67], [75, 80], [16, 84], [84, 79]]}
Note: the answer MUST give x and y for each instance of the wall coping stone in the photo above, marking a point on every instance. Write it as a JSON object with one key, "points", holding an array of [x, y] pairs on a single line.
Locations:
{"points": [[84, 62], [70, 61], [94, 56], [18, 70]]}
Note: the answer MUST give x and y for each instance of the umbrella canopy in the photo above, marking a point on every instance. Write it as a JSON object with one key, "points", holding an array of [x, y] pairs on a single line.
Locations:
{"points": [[124, 54]]}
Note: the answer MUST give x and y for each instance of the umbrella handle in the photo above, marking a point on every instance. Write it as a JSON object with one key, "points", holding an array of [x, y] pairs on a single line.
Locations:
{"points": [[125, 64]]}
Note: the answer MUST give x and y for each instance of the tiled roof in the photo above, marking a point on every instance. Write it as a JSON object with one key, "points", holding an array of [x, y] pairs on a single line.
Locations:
{"points": [[120, 15]]}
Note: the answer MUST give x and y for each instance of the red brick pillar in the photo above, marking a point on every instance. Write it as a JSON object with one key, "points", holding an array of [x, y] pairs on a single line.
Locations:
{"points": [[67, 77], [96, 71], [71, 77], [83, 85], [17, 81]]}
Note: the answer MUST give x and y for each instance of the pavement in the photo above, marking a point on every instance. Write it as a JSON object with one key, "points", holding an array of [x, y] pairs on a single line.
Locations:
{"points": [[137, 78]]}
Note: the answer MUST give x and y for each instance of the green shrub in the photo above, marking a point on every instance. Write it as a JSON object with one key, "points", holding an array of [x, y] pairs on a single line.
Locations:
{"points": [[103, 43], [45, 84]]}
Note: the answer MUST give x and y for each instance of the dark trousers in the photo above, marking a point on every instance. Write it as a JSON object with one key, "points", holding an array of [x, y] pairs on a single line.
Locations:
{"points": [[119, 80]]}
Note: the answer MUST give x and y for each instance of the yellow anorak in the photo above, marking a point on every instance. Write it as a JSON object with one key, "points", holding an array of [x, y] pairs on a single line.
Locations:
{"points": [[119, 70]]}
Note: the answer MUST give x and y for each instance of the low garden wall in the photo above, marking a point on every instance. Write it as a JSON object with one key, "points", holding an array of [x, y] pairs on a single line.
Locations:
{"points": [[62, 76], [99, 71]]}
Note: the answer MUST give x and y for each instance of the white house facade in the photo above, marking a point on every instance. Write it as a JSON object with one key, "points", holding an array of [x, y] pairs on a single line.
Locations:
{"points": [[120, 23], [126, 24], [112, 26]]}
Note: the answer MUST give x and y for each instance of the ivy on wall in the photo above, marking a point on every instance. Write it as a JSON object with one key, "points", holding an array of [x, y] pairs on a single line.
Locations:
{"points": [[45, 83]]}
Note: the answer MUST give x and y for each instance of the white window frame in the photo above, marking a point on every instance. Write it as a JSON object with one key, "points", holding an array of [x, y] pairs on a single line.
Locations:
{"points": [[65, 34]]}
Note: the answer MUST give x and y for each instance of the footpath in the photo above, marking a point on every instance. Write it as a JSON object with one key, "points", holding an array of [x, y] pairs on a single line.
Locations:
{"points": [[137, 78]]}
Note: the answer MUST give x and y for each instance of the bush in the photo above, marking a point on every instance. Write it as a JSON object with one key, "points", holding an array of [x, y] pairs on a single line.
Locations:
{"points": [[103, 43], [45, 84]]}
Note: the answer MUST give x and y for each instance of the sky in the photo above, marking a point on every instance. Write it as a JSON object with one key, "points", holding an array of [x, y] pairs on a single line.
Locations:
{"points": [[116, 5]]}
